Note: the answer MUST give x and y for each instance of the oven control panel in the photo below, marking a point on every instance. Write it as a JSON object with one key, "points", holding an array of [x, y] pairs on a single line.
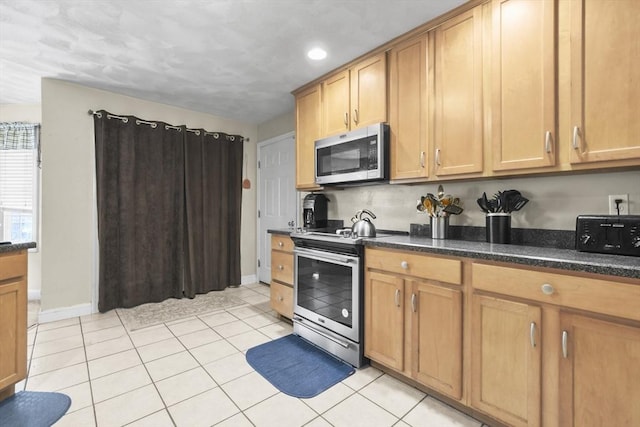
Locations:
{"points": [[608, 234]]}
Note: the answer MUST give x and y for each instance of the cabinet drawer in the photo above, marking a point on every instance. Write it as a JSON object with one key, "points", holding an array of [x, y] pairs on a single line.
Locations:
{"points": [[281, 243], [13, 264], [597, 295], [282, 267], [282, 299], [412, 264]]}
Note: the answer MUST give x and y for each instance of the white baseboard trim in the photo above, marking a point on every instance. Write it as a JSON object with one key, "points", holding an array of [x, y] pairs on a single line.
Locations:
{"points": [[65, 313], [33, 294], [247, 280]]}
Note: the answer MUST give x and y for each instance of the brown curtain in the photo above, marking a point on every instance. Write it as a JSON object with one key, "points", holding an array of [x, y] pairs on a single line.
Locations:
{"points": [[140, 190], [213, 194], [169, 210]]}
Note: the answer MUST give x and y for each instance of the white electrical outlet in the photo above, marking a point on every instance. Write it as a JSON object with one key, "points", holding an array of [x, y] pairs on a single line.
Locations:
{"points": [[624, 205]]}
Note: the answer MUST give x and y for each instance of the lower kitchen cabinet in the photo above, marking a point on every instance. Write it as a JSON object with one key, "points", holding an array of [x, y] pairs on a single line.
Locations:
{"points": [[281, 288], [384, 319], [506, 360], [413, 324], [436, 337], [599, 372], [13, 320]]}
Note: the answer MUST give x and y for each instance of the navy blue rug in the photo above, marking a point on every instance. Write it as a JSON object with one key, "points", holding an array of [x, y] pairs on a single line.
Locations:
{"points": [[296, 367], [33, 409]]}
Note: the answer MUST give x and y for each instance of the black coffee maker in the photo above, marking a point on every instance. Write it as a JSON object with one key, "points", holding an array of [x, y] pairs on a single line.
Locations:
{"points": [[314, 210]]}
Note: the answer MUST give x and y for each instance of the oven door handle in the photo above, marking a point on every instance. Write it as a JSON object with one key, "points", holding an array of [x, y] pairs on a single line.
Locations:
{"points": [[325, 256], [319, 332]]}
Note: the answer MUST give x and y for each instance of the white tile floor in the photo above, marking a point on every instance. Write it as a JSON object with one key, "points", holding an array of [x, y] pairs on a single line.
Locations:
{"points": [[193, 372]]}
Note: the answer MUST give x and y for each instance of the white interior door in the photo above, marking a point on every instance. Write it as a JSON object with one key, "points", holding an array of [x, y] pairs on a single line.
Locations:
{"points": [[277, 201]]}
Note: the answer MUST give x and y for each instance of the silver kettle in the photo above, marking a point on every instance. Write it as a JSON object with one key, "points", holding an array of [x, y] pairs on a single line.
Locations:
{"points": [[363, 227]]}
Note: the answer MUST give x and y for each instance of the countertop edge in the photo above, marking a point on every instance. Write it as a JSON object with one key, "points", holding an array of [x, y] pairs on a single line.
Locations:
{"points": [[533, 256], [562, 259], [16, 247]]}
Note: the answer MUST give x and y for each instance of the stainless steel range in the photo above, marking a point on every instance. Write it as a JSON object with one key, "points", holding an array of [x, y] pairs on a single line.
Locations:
{"points": [[328, 293]]}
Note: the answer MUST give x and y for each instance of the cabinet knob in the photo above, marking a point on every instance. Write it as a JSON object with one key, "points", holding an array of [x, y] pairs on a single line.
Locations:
{"points": [[280, 298], [547, 289], [280, 244], [281, 267], [404, 264]]}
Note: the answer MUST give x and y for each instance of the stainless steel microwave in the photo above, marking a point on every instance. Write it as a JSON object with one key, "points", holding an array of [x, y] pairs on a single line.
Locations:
{"points": [[354, 157]]}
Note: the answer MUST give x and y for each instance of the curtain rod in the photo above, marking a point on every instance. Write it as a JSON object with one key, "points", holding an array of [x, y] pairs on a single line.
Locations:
{"points": [[153, 125]]}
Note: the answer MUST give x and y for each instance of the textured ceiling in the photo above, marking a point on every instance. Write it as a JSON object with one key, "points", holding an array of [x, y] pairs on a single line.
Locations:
{"points": [[237, 59]]}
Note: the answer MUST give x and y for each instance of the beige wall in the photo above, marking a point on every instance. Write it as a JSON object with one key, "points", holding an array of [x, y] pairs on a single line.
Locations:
{"points": [[277, 126], [31, 113], [68, 195], [554, 201]]}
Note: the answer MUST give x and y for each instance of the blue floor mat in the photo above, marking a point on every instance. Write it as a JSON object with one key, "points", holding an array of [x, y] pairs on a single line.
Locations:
{"points": [[296, 367], [33, 409]]}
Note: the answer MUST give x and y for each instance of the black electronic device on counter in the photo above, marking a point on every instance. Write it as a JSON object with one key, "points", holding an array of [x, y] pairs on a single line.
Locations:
{"points": [[314, 210], [608, 234]]}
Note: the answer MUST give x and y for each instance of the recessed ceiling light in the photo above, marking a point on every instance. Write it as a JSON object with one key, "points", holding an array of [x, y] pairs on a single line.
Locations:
{"points": [[317, 54]]}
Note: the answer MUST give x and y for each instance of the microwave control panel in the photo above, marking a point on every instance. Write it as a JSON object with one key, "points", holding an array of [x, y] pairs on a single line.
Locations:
{"points": [[373, 154]]}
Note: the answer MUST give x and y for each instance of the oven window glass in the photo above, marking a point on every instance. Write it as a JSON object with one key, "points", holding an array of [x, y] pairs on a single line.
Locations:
{"points": [[326, 289], [348, 157]]}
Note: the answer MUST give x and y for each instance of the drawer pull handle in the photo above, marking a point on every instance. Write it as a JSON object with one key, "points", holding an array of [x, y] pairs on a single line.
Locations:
{"points": [[280, 244], [422, 156], [532, 334], [281, 267], [547, 289], [404, 264], [565, 337], [397, 298], [413, 303], [346, 119]]}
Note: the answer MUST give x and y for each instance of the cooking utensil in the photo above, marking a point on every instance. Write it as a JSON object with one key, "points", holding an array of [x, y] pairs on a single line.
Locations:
{"points": [[482, 202], [246, 183], [440, 192], [453, 209], [364, 227]]}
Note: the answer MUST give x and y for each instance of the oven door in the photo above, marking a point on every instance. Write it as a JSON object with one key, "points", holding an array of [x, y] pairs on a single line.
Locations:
{"points": [[327, 290]]}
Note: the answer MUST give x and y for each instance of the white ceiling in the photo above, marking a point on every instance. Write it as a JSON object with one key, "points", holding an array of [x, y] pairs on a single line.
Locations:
{"points": [[237, 59]]}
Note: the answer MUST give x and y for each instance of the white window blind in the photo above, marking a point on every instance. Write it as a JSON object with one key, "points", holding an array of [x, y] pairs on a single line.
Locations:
{"points": [[18, 184]]}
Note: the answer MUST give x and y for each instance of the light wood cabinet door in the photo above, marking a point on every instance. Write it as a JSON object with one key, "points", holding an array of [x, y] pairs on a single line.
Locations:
{"points": [[506, 360], [336, 103], [384, 319], [408, 109], [356, 97], [605, 88], [599, 373], [369, 91], [436, 337], [523, 111], [13, 332], [458, 142], [308, 130]]}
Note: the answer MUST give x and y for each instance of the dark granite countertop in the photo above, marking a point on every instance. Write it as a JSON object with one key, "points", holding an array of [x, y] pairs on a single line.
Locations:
{"points": [[16, 247], [565, 259]]}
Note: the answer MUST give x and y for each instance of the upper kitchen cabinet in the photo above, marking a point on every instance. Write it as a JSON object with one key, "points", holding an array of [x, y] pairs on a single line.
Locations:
{"points": [[356, 97], [457, 128], [408, 109], [523, 107], [605, 83], [308, 130]]}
